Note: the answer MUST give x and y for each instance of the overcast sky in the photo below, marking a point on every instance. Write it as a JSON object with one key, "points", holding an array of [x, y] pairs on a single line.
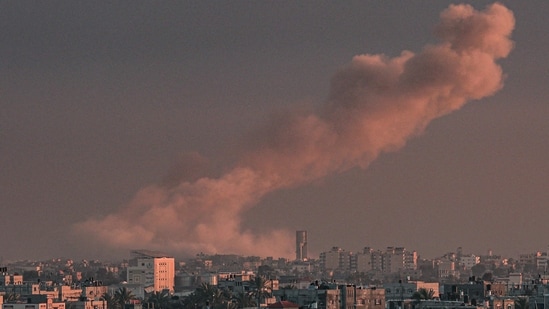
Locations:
{"points": [[110, 110]]}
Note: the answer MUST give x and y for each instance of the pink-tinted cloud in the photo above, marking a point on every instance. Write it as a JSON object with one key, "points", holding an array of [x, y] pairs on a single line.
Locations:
{"points": [[376, 104]]}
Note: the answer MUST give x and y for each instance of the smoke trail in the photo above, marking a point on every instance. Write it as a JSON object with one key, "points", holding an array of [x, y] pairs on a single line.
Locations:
{"points": [[375, 104]]}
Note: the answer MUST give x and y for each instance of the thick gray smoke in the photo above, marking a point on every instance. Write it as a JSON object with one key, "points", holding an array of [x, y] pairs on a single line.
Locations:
{"points": [[376, 104]]}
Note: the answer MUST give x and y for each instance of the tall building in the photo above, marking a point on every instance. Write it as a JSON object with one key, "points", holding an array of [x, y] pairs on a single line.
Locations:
{"points": [[301, 245], [155, 270], [335, 259]]}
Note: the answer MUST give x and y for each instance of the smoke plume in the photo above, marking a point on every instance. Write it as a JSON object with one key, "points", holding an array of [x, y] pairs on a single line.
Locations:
{"points": [[376, 103]]}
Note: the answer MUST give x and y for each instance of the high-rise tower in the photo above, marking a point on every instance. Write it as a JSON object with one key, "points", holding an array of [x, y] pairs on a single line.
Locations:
{"points": [[301, 245]]}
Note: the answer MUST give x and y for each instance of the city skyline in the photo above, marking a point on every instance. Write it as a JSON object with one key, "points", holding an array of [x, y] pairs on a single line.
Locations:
{"points": [[224, 128]]}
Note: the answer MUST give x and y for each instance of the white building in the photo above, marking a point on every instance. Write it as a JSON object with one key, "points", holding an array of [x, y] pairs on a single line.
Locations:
{"points": [[154, 270]]}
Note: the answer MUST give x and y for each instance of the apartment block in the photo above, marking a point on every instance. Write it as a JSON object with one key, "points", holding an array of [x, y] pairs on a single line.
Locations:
{"points": [[154, 270]]}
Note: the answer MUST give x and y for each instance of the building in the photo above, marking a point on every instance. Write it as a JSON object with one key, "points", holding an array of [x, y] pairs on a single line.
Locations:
{"points": [[154, 270], [472, 293], [410, 260], [335, 259], [401, 291], [393, 260], [88, 304], [469, 261], [369, 298], [446, 269], [301, 246], [11, 279], [284, 304], [41, 304], [315, 296], [364, 261], [353, 297]]}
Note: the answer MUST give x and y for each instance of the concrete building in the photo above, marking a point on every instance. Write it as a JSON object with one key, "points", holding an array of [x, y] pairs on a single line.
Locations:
{"points": [[377, 260], [154, 270], [94, 292], [369, 298], [70, 293], [470, 293], [301, 246], [283, 304], [311, 297], [398, 292], [393, 260], [11, 279], [335, 259], [43, 305], [353, 297], [364, 261], [88, 304], [447, 268], [468, 261], [410, 260]]}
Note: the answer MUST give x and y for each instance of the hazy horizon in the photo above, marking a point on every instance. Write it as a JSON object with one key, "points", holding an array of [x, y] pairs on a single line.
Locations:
{"points": [[191, 127]]}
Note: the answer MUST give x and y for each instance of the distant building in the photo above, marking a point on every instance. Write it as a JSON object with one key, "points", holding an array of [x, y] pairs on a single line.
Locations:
{"points": [[330, 296], [369, 298], [154, 270], [468, 261], [88, 304], [135, 289], [353, 297], [11, 279], [447, 268], [301, 245], [49, 304], [335, 259], [283, 304], [364, 260], [312, 297], [398, 292], [394, 259], [472, 293]]}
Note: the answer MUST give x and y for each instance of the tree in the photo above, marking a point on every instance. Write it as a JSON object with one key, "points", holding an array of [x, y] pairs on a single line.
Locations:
{"points": [[123, 296], [421, 295], [245, 299], [261, 288], [219, 299], [11, 297], [209, 295], [478, 270], [266, 271], [204, 293], [111, 302], [158, 300], [191, 301], [522, 303], [488, 276]]}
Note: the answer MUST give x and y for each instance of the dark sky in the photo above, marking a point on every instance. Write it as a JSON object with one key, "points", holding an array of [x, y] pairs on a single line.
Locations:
{"points": [[101, 101]]}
